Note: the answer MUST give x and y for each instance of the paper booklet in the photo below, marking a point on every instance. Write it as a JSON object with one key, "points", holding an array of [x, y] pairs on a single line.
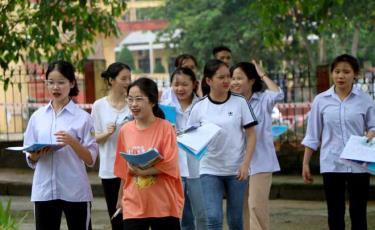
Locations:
{"points": [[35, 147], [169, 113], [143, 160], [357, 148], [195, 140], [368, 166]]}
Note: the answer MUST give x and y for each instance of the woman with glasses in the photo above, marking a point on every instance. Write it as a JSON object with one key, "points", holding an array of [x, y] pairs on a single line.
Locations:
{"points": [[151, 197], [60, 182]]}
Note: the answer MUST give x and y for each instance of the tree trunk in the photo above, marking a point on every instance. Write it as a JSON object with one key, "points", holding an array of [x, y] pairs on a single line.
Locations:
{"points": [[322, 51], [355, 40]]}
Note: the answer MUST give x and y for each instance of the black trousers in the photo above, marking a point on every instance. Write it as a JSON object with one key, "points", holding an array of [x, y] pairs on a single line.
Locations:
{"points": [[111, 188], [161, 223], [335, 185], [48, 215]]}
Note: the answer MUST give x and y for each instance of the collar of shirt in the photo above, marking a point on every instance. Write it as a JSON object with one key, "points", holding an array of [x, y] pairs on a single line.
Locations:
{"points": [[173, 101], [255, 96], [331, 91], [70, 107]]}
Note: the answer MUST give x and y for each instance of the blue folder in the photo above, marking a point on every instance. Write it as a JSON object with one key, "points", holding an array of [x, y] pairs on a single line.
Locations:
{"points": [[197, 155], [169, 112], [278, 130]]}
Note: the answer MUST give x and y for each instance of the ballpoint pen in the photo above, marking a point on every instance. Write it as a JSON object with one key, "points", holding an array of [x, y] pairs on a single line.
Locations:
{"points": [[116, 213]]}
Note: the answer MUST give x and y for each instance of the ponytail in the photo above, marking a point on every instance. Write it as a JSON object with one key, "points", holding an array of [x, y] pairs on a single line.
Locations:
{"points": [[156, 110]]}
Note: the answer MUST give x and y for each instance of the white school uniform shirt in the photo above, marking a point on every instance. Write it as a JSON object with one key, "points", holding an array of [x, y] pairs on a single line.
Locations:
{"points": [[103, 113], [227, 149], [264, 157], [189, 165], [332, 121], [61, 174]]}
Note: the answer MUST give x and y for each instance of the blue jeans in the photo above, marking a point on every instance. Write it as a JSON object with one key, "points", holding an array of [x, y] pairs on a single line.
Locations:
{"points": [[194, 215], [214, 188]]}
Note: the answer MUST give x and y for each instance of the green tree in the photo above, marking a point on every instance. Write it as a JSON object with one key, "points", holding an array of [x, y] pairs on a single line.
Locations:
{"points": [[126, 57], [275, 31], [39, 31]]}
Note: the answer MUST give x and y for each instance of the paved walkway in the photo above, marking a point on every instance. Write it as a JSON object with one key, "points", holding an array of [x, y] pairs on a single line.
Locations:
{"points": [[294, 205], [285, 214]]}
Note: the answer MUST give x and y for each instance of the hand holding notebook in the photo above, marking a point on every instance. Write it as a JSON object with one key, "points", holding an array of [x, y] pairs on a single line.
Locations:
{"points": [[143, 160]]}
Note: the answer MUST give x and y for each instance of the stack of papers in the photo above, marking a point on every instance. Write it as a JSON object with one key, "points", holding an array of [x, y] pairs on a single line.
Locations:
{"points": [[195, 141], [144, 160], [358, 151], [35, 147]]}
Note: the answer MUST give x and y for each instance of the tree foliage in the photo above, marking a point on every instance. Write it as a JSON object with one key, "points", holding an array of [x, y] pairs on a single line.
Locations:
{"points": [[278, 32], [39, 31], [125, 56]]}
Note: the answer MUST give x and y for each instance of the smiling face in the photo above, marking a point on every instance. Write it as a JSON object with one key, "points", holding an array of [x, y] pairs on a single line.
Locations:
{"points": [[240, 83], [139, 104], [121, 82], [59, 87], [220, 81], [183, 87], [343, 76]]}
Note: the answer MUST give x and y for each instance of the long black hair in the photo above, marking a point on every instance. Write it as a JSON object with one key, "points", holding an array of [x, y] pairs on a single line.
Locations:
{"points": [[251, 73], [150, 89], [208, 72], [67, 70]]}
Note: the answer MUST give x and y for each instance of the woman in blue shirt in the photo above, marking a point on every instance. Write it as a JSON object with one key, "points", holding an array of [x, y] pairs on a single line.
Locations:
{"points": [[247, 80], [336, 114], [60, 182]]}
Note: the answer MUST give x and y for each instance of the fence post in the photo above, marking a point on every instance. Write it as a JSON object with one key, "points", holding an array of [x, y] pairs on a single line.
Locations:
{"points": [[322, 77], [94, 84]]}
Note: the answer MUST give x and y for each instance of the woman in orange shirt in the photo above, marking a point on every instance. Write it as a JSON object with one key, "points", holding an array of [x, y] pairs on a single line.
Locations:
{"points": [[151, 197]]}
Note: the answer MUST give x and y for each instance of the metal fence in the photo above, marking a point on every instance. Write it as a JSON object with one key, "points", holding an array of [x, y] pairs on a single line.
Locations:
{"points": [[26, 92]]}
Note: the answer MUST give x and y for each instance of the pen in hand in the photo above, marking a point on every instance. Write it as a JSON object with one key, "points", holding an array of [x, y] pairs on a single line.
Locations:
{"points": [[116, 213]]}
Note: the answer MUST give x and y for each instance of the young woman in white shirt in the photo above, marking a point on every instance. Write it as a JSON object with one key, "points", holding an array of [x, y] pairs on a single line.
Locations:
{"points": [[60, 182], [247, 80], [224, 168], [110, 113], [336, 114], [183, 96]]}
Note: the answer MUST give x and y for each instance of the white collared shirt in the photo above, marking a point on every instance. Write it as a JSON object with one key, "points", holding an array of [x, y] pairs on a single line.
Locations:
{"points": [[61, 174], [264, 157], [331, 122], [189, 166]]}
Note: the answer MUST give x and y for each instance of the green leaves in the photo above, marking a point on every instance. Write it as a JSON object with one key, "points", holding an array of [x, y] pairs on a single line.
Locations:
{"points": [[7, 220], [50, 29], [274, 31]]}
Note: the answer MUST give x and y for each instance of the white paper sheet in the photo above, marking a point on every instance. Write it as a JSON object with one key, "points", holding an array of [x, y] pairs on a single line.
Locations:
{"points": [[358, 149], [198, 138]]}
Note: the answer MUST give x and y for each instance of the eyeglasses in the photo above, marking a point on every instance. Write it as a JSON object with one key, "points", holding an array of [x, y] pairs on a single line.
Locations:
{"points": [[51, 83], [137, 100]]}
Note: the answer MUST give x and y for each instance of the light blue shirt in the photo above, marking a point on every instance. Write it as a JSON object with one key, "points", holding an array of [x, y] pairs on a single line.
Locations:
{"points": [[189, 165], [264, 157], [61, 174], [332, 121]]}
